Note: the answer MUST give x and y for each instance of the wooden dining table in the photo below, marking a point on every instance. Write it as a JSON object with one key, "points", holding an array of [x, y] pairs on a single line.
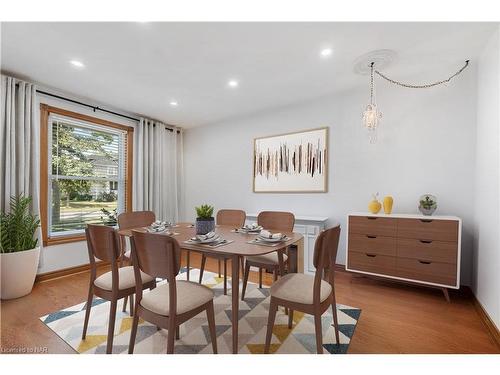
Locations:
{"points": [[238, 246]]}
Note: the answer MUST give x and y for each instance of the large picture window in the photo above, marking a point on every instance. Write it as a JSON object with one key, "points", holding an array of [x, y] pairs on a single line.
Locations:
{"points": [[87, 173]]}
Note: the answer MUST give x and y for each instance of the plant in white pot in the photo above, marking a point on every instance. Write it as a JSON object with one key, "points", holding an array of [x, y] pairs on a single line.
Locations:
{"points": [[19, 250], [204, 221]]}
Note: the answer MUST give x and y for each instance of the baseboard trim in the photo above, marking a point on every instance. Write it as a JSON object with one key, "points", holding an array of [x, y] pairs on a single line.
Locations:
{"points": [[66, 272], [486, 319]]}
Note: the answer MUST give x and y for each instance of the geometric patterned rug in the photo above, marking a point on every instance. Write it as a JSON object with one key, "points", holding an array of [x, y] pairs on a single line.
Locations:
{"points": [[194, 334]]}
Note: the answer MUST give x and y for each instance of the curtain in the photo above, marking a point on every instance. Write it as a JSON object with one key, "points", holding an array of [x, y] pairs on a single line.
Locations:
{"points": [[19, 142], [158, 169]]}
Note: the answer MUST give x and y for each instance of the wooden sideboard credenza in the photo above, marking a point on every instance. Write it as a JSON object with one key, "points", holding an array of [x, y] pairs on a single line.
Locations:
{"points": [[413, 248], [310, 227]]}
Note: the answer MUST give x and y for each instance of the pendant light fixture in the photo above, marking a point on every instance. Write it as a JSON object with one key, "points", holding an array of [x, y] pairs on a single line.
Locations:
{"points": [[371, 115]]}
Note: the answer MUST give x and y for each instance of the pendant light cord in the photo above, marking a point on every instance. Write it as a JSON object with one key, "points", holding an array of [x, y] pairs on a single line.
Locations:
{"points": [[424, 86], [371, 83]]}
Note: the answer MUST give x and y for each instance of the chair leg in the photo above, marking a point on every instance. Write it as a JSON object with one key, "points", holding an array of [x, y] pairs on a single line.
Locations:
{"points": [[133, 333], [260, 278], [335, 319], [319, 334], [202, 268], [177, 332], [211, 326], [245, 281], [275, 274], [219, 266], [290, 318], [225, 276], [188, 263], [87, 312], [273, 308], [131, 305], [111, 327], [171, 335], [242, 261]]}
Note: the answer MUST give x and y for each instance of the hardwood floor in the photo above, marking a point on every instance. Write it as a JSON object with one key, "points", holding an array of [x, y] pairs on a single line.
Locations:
{"points": [[395, 318]]}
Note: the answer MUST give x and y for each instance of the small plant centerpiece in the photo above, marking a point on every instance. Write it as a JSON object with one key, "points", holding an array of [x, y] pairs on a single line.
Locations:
{"points": [[19, 250], [428, 204], [204, 222]]}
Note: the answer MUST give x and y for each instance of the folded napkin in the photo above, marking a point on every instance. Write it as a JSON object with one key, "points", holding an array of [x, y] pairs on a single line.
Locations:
{"points": [[266, 234], [203, 237], [251, 226]]}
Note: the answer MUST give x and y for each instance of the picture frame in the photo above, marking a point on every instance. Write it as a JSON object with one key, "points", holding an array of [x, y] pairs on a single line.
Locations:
{"points": [[295, 162]]}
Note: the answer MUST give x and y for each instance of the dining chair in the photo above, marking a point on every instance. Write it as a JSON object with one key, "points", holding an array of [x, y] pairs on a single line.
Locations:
{"points": [[132, 220], [309, 294], [274, 221], [170, 304], [234, 218], [102, 243]]}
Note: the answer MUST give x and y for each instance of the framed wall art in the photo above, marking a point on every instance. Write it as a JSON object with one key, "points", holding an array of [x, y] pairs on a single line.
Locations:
{"points": [[291, 163]]}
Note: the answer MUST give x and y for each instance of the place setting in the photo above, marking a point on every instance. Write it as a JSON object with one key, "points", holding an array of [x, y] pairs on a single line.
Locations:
{"points": [[267, 238], [211, 239], [253, 228], [164, 227]]}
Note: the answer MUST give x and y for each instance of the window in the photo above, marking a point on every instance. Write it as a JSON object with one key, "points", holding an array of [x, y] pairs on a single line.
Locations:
{"points": [[86, 173]]}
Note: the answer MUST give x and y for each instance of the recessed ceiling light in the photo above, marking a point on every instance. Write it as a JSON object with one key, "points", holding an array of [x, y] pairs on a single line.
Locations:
{"points": [[174, 103], [77, 64], [233, 83], [325, 52]]}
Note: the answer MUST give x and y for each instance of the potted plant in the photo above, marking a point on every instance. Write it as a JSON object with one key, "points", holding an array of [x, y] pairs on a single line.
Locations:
{"points": [[428, 204], [19, 250], [204, 222]]}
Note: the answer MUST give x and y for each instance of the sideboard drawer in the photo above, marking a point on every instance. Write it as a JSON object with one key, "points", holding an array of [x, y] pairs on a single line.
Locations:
{"points": [[428, 250], [428, 229], [434, 272], [375, 263], [379, 226], [367, 243]]}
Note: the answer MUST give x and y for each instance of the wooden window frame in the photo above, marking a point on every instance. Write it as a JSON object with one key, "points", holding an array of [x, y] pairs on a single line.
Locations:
{"points": [[45, 111]]}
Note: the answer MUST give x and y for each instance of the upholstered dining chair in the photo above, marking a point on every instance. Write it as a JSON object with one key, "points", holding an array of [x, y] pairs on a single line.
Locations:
{"points": [[102, 243], [234, 218], [274, 221], [131, 220], [306, 293], [170, 304]]}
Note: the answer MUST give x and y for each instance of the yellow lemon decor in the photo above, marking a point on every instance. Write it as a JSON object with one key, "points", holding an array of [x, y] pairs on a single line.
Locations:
{"points": [[374, 206], [388, 201]]}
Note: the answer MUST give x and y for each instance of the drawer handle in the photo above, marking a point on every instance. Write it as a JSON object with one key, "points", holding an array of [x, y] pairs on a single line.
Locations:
{"points": [[371, 218], [424, 262], [426, 241], [371, 255], [370, 236], [426, 220]]}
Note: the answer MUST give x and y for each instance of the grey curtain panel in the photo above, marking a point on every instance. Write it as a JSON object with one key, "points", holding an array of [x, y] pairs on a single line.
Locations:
{"points": [[19, 142], [158, 169]]}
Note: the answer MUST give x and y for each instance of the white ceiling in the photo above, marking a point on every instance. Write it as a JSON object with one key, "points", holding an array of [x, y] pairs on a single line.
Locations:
{"points": [[141, 67]]}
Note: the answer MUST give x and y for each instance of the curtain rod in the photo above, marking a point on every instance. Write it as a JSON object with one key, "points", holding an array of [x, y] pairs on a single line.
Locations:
{"points": [[94, 108]]}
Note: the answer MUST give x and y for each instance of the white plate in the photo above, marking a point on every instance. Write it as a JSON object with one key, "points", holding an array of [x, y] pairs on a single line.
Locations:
{"points": [[271, 239], [208, 240]]}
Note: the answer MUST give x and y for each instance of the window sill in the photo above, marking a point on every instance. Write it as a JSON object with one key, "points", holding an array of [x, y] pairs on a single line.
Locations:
{"points": [[64, 239]]}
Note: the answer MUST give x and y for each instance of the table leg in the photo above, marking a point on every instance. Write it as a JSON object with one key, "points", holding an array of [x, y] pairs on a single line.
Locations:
{"points": [[292, 258], [188, 263], [235, 289]]}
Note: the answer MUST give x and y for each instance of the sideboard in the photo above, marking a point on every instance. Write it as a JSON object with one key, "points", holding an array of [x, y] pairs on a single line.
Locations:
{"points": [[413, 248], [310, 227]]}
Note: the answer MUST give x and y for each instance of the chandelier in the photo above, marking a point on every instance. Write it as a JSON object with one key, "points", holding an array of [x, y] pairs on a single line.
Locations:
{"points": [[372, 116]]}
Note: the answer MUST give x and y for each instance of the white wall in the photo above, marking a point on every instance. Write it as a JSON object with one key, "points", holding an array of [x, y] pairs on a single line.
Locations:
{"points": [[426, 145], [57, 257], [486, 275]]}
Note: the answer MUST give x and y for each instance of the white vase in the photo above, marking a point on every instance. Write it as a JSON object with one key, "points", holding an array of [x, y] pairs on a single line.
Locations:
{"points": [[18, 272]]}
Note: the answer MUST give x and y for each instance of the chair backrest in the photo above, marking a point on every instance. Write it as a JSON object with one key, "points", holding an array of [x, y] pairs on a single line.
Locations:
{"points": [[276, 220], [325, 254], [135, 219], [235, 218], [102, 243], [156, 254]]}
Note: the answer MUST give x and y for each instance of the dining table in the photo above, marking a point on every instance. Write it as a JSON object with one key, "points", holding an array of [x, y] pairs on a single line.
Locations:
{"points": [[238, 244]]}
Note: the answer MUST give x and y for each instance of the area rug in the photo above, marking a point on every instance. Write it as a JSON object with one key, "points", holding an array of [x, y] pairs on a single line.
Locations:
{"points": [[194, 334]]}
